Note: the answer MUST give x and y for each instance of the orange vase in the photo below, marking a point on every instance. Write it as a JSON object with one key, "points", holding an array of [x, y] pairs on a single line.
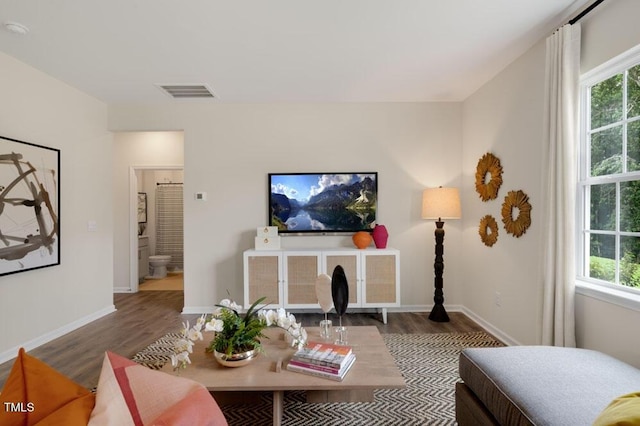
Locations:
{"points": [[361, 239]]}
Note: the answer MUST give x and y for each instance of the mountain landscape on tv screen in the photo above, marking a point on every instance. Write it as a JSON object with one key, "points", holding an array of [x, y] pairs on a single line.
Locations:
{"points": [[343, 207]]}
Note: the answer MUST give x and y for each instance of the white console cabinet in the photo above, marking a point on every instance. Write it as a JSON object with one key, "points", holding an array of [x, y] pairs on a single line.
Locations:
{"points": [[287, 278]]}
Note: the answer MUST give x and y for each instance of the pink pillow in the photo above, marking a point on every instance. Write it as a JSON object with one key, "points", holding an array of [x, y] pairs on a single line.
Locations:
{"points": [[131, 394]]}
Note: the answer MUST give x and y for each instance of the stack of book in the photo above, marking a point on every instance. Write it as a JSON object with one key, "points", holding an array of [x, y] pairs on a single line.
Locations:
{"points": [[323, 359]]}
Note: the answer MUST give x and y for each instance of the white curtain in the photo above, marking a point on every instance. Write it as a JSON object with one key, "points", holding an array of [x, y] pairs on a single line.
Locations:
{"points": [[560, 154], [169, 223]]}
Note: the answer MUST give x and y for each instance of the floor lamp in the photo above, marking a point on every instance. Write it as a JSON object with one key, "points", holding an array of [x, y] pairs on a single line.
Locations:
{"points": [[440, 203]]}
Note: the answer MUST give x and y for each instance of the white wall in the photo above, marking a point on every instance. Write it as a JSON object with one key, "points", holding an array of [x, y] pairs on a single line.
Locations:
{"points": [[136, 150], [505, 117], [230, 149], [39, 305]]}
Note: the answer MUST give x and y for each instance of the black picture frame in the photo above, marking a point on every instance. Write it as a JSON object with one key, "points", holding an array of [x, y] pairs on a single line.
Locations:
{"points": [[30, 202], [142, 207]]}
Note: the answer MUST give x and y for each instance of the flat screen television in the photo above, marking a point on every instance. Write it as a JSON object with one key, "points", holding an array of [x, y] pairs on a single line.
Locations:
{"points": [[322, 203]]}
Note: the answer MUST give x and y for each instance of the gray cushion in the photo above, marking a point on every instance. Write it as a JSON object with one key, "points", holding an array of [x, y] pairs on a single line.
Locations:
{"points": [[544, 385]]}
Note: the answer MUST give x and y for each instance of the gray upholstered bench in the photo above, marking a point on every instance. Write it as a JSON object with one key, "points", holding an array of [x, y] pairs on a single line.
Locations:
{"points": [[539, 385]]}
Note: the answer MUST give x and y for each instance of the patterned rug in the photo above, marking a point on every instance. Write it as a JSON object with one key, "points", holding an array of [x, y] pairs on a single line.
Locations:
{"points": [[428, 362]]}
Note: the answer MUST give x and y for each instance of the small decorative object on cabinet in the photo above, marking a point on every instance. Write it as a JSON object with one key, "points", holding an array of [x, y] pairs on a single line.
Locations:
{"points": [[361, 239], [488, 164], [380, 236], [518, 200], [488, 230]]}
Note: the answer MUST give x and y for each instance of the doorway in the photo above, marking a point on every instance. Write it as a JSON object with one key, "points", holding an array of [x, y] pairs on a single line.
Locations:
{"points": [[148, 236]]}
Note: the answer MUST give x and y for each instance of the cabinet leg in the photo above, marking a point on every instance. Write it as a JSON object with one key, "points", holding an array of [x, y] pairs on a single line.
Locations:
{"points": [[384, 315]]}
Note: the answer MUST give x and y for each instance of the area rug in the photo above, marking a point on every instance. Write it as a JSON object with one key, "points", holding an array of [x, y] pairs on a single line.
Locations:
{"points": [[428, 362]]}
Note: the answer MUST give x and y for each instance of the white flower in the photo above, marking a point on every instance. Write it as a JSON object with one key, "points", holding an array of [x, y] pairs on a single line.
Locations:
{"points": [[200, 323], [270, 317], [185, 328], [302, 340], [183, 345], [230, 304], [214, 325], [180, 359], [195, 334]]}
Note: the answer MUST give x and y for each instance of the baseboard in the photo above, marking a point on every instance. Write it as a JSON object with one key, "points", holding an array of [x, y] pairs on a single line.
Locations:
{"points": [[193, 310], [505, 338], [54, 334]]}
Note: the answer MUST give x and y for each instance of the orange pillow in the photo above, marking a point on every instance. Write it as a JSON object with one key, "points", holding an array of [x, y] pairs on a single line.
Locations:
{"points": [[36, 394]]}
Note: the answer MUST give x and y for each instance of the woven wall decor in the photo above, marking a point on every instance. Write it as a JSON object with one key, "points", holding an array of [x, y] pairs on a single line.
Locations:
{"points": [[488, 230], [489, 163], [518, 200]]}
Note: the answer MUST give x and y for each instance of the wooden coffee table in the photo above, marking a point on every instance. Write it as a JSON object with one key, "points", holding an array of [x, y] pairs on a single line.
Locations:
{"points": [[374, 368]]}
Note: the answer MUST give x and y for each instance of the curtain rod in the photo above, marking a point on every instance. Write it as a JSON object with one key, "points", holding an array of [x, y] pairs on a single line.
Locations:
{"points": [[585, 12], [168, 183]]}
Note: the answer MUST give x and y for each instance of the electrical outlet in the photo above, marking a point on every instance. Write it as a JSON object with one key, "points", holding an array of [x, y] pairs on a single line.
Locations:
{"points": [[498, 299]]}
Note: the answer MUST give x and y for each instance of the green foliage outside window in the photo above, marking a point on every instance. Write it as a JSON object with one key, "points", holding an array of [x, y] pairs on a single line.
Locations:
{"points": [[612, 119]]}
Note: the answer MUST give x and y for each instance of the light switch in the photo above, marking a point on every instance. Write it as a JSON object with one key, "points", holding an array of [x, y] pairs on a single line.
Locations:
{"points": [[201, 196], [92, 225]]}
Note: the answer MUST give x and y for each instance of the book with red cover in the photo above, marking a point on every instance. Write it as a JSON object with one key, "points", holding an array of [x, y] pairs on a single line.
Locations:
{"points": [[323, 353]]}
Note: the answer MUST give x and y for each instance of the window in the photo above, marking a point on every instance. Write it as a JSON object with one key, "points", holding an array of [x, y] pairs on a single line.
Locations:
{"points": [[609, 182]]}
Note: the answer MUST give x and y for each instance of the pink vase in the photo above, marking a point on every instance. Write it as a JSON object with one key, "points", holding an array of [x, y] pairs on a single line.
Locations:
{"points": [[380, 236]]}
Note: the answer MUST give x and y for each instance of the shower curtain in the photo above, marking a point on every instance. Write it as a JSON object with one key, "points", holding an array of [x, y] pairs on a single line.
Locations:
{"points": [[169, 224]]}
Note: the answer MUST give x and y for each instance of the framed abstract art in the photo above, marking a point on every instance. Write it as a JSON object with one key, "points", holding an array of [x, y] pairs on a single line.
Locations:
{"points": [[29, 206]]}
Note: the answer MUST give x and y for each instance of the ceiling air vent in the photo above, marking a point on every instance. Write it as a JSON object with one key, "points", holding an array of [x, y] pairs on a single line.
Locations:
{"points": [[187, 91]]}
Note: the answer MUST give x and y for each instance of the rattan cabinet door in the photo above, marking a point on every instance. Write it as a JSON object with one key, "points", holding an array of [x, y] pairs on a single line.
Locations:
{"points": [[301, 270], [380, 278], [350, 262], [262, 278]]}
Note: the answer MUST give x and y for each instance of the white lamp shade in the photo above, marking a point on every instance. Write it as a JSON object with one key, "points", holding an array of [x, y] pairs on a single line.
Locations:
{"points": [[441, 203]]}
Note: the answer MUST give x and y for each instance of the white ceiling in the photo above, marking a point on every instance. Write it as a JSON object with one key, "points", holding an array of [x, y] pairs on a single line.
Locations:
{"points": [[279, 50]]}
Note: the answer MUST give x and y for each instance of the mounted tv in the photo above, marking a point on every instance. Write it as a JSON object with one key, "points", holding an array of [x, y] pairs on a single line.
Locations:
{"points": [[322, 203]]}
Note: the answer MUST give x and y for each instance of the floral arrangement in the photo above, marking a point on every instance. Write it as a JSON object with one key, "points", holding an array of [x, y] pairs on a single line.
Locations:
{"points": [[235, 333], [184, 345]]}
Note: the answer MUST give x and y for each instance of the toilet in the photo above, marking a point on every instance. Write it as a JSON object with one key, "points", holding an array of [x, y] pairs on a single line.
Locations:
{"points": [[158, 266]]}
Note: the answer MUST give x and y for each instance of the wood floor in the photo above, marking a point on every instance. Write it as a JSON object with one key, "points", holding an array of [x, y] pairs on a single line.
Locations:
{"points": [[143, 317], [173, 281]]}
